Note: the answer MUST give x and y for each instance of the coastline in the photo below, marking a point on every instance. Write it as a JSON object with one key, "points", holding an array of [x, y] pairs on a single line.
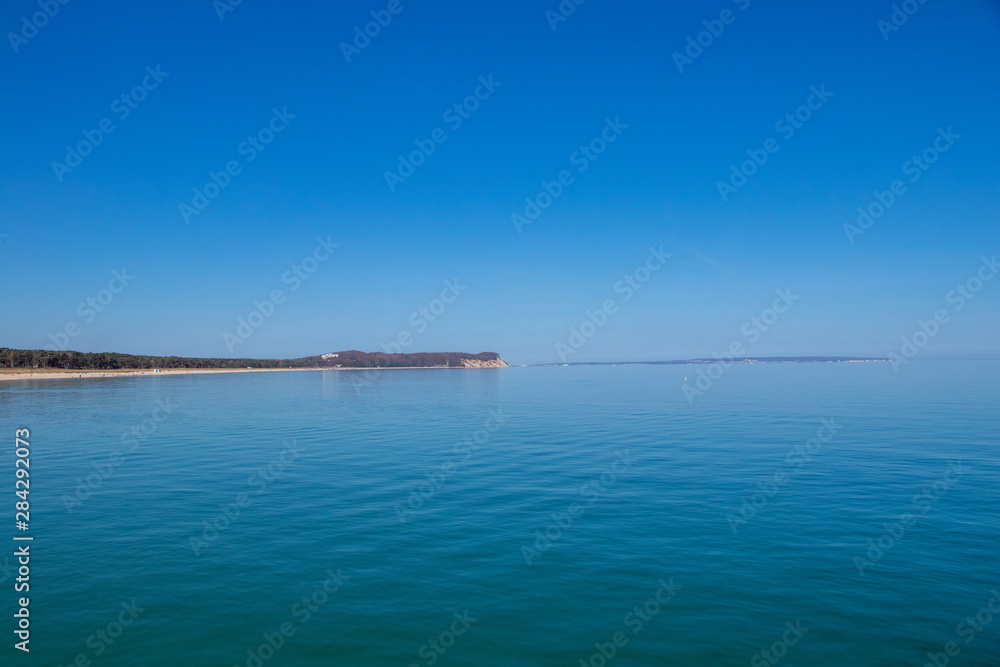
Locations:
{"points": [[79, 374]]}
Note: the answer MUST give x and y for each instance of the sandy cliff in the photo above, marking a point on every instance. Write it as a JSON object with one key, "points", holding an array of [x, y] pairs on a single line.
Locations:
{"points": [[478, 363]]}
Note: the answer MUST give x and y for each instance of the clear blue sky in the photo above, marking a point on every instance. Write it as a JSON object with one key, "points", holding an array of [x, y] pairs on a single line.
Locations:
{"points": [[323, 175]]}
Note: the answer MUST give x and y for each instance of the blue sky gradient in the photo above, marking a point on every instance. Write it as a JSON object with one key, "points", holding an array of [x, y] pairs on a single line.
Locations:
{"points": [[324, 176]]}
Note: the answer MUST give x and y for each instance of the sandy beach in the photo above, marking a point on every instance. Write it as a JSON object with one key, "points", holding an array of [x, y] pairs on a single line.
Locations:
{"points": [[75, 374], [54, 374]]}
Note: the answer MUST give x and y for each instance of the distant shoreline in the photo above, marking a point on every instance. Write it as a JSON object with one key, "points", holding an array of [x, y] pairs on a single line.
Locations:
{"points": [[723, 360], [48, 364], [79, 374]]}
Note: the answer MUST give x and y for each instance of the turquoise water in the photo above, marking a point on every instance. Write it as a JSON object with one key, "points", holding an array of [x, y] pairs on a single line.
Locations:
{"points": [[521, 516]]}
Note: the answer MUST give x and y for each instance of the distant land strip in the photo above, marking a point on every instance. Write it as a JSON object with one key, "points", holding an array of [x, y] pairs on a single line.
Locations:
{"points": [[115, 361], [745, 360]]}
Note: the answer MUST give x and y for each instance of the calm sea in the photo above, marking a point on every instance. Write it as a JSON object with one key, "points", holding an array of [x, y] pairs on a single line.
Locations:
{"points": [[809, 514]]}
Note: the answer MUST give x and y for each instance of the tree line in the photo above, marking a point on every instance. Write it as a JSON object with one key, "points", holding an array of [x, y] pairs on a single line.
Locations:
{"points": [[70, 360]]}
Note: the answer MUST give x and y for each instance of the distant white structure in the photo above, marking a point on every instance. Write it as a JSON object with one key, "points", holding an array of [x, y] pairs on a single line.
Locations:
{"points": [[328, 355]]}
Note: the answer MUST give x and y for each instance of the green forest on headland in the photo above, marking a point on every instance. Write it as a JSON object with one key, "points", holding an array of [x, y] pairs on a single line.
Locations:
{"points": [[12, 358]]}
